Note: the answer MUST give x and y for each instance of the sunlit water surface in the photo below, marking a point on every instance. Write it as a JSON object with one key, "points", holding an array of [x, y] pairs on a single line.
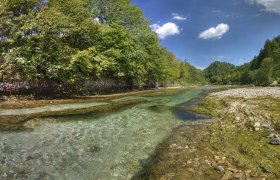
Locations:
{"points": [[110, 146]]}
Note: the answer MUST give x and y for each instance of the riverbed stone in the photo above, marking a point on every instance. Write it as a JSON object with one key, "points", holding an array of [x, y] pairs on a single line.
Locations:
{"points": [[207, 162], [233, 170], [248, 171], [220, 168], [267, 126], [237, 118], [275, 141], [173, 145], [273, 135], [237, 175], [196, 164], [249, 92], [191, 170], [217, 158], [257, 124], [227, 175], [266, 116]]}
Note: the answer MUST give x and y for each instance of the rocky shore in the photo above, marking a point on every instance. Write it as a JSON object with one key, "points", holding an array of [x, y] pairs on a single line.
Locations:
{"points": [[249, 92], [242, 144]]}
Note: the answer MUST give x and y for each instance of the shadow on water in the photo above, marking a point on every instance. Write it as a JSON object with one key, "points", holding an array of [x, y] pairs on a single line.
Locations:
{"points": [[185, 115], [181, 111]]}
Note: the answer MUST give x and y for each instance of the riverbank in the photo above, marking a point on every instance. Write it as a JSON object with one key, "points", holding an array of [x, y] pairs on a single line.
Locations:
{"points": [[240, 144]]}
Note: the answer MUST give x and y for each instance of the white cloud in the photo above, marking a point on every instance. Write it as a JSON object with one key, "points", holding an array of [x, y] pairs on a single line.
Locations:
{"points": [[215, 32], [201, 68], [178, 17], [269, 5], [165, 30], [221, 58], [226, 14]]}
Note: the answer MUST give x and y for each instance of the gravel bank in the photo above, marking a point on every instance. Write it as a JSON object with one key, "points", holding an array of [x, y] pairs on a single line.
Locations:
{"points": [[249, 92]]}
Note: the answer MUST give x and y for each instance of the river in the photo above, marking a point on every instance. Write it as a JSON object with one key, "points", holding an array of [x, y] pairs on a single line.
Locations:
{"points": [[111, 145]]}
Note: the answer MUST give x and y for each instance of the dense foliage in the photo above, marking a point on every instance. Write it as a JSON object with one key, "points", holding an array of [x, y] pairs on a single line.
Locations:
{"points": [[218, 72], [263, 70], [63, 44]]}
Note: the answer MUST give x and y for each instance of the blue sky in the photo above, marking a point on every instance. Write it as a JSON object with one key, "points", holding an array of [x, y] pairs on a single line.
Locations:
{"points": [[203, 31]]}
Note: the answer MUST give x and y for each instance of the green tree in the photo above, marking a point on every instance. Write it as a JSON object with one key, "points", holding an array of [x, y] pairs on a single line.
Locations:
{"points": [[264, 74], [58, 43], [218, 72]]}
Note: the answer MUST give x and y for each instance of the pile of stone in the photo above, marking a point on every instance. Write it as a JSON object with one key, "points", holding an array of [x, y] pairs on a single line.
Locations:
{"points": [[236, 174], [250, 92], [244, 114], [230, 173]]}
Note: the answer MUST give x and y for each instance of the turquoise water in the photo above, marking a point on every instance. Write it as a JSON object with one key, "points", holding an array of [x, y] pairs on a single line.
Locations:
{"points": [[110, 146]]}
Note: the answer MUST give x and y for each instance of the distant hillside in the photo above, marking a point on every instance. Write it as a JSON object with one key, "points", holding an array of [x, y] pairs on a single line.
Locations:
{"points": [[218, 72], [263, 70]]}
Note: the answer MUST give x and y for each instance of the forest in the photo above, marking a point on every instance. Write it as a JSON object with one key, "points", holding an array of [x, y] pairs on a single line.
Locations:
{"points": [[98, 46], [263, 70], [82, 47]]}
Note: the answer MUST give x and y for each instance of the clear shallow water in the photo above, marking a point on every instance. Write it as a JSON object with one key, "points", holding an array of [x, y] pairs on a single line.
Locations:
{"points": [[111, 146]]}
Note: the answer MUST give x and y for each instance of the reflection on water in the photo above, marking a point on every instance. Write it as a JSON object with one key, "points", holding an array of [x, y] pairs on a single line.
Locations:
{"points": [[112, 146]]}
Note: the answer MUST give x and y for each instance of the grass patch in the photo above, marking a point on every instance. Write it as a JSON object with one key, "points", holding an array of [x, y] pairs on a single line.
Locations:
{"points": [[247, 149]]}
